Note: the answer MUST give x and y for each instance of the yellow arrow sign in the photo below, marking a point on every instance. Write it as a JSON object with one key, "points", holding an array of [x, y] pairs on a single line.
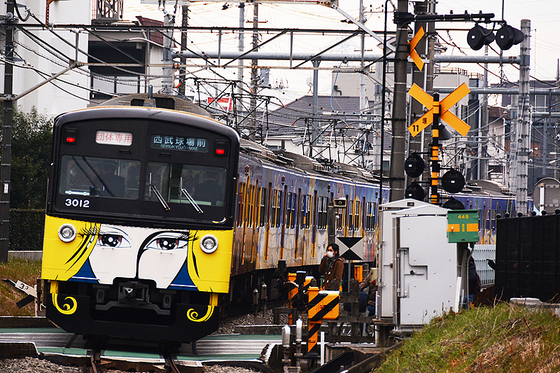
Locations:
{"points": [[413, 54], [444, 106]]}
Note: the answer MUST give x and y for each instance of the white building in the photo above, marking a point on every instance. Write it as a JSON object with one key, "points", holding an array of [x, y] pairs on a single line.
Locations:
{"points": [[80, 56]]}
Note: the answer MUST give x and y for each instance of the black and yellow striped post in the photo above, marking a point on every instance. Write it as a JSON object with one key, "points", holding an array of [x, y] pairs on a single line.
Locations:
{"points": [[291, 294], [323, 305], [434, 176]]}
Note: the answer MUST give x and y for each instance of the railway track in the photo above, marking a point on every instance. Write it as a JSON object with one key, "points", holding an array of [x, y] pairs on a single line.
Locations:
{"points": [[98, 356]]}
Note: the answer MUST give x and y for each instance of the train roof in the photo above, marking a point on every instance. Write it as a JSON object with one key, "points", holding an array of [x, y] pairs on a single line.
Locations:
{"points": [[159, 101], [322, 167]]}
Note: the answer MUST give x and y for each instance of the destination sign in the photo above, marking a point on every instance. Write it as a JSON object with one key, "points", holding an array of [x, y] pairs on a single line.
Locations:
{"points": [[170, 142], [113, 138]]}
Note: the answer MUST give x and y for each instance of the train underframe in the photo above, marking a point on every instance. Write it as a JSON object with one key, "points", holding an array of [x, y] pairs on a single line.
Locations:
{"points": [[131, 309]]}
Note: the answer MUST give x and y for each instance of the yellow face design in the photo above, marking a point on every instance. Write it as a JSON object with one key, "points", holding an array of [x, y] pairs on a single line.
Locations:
{"points": [[173, 259], [63, 260]]}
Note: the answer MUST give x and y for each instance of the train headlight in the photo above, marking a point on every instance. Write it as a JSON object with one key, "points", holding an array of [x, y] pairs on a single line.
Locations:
{"points": [[209, 244], [67, 233]]}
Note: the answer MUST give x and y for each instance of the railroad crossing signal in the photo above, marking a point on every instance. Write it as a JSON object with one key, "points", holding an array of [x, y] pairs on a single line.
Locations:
{"points": [[413, 54], [439, 107]]}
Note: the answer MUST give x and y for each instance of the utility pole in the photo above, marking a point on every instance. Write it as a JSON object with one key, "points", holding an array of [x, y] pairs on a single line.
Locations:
{"points": [[240, 48], [315, 108], [254, 76], [396, 175], [7, 121], [522, 121], [183, 68], [483, 128], [418, 78]]}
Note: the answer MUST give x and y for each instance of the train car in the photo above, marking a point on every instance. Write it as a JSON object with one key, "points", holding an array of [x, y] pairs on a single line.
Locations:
{"points": [[139, 223], [281, 214]]}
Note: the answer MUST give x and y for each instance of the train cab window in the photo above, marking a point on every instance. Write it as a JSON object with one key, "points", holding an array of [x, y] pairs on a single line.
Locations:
{"points": [[99, 177], [186, 184]]}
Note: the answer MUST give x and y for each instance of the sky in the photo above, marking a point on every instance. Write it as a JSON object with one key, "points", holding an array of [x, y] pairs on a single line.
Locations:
{"points": [[544, 16]]}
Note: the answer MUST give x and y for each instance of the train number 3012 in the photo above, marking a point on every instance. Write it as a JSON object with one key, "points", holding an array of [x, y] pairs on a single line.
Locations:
{"points": [[73, 202]]}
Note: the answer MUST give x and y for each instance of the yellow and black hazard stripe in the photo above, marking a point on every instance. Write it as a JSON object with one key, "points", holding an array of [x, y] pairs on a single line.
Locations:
{"points": [[322, 305]]}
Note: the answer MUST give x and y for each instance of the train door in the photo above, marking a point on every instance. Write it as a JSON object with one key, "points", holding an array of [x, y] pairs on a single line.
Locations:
{"points": [[297, 208], [255, 222], [268, 219], [283, 222]]}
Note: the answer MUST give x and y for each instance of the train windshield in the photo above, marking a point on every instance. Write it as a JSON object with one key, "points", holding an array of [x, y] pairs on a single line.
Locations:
{"points": [[186, 184], [99, 177]]}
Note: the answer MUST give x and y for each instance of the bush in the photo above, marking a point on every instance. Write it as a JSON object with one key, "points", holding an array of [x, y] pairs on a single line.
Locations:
{"points": [[26, 229]]}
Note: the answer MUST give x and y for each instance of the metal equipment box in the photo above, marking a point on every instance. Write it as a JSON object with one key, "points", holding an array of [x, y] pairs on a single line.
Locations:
{"points": [[462, 226]]}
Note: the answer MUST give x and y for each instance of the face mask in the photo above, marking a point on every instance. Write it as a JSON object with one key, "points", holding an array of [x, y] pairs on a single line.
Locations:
{"points": [[330, 254]]}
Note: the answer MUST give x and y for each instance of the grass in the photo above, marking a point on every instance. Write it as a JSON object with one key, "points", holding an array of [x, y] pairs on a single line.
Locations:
{"points": [[503, 338], [17, 269]]}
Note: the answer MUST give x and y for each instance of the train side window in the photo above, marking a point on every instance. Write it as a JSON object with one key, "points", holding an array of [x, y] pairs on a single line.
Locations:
{"points": [[314, 218], [291, 210], [322, 213], [357, 222], [275, 207], [250, 206], [262, 207], [240, 198], [350, 214], [279, 209], [305, 211], [369, 216]]}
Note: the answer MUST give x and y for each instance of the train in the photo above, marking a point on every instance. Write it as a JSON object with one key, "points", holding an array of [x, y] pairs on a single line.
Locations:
{"points": [[157, 215]]}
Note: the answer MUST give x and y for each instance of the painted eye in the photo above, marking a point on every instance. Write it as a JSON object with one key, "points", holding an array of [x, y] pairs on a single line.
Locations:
{"points": [[114, 239], [169, 241]]}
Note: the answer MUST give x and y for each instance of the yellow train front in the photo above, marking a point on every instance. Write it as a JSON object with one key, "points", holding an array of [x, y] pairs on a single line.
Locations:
{"points": [[139, 226]]}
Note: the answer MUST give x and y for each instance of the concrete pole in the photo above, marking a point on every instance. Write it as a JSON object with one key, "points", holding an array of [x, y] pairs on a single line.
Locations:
{"points": [[167, 80], [523, 118], [183, 69], [396, 175], [240, 48], [483, 128], [418, 77], [315, 108], [254, 76], [7, 121]]}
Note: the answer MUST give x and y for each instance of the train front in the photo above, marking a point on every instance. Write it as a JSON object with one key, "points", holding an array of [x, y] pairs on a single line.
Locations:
{"points": [[139, 226]]}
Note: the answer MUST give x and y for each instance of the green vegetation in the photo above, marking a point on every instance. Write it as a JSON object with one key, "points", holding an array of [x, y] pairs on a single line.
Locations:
{"points": [[17, 269], [31, 158], [500, 339]]}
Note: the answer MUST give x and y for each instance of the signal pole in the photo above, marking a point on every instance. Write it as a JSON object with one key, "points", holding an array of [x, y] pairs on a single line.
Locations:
{"points": [[522, 121], [396, 173]]}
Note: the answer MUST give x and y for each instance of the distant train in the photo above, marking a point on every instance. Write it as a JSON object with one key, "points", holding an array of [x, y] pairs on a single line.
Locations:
{"points": [[154, 214]]}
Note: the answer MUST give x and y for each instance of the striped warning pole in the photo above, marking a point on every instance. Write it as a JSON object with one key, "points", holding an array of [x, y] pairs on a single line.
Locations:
{"points": [[323, 305], [291, 294]]}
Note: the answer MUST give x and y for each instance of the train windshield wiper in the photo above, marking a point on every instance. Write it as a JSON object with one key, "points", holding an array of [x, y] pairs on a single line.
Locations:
{"points": [[160, 197], [192, 201]]}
